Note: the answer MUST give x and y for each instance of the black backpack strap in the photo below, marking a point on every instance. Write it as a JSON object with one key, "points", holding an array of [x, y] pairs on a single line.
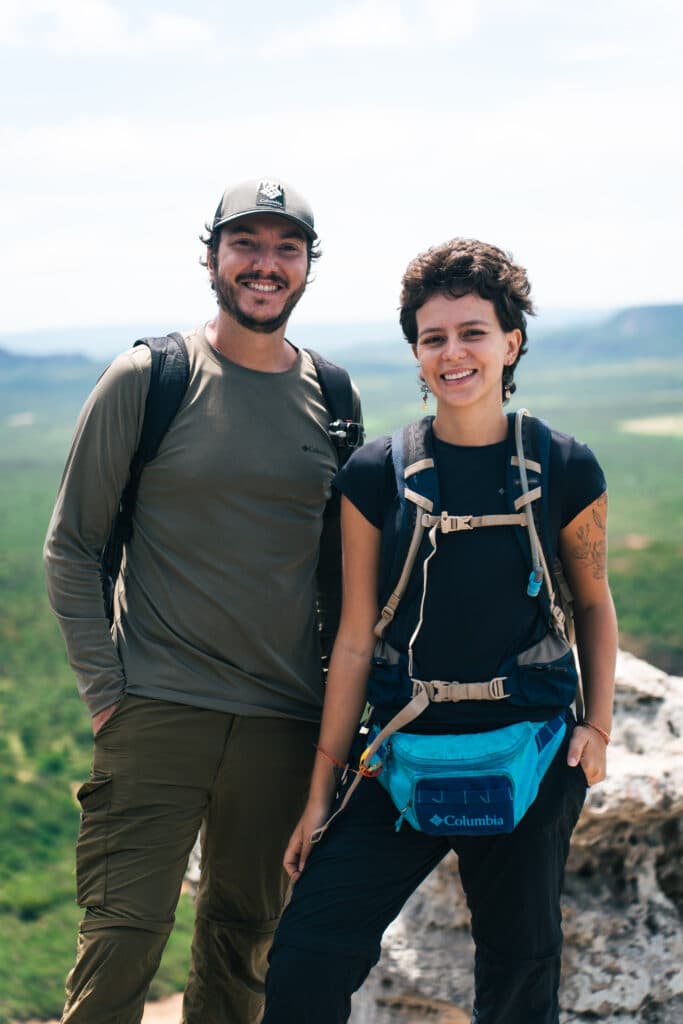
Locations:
{"points": [[167, 385], [346, 432]]}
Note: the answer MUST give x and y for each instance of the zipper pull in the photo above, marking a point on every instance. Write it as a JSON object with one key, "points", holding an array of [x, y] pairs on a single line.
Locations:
{"points": [[399, 820]]}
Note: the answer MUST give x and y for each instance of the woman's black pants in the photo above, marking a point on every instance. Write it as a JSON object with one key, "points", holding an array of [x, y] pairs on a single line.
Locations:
{"points": [[363, 871]]}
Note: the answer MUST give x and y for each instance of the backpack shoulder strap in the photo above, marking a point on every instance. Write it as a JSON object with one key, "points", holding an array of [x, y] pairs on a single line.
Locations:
{"points": [[417, 488], [531, 482], [167, 385], [346, 432], [526, 477]]}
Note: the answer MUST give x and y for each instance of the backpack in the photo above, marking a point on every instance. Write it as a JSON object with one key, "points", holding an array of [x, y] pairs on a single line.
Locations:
{"points": [[168, 383], [543, 674], [432, 768]]}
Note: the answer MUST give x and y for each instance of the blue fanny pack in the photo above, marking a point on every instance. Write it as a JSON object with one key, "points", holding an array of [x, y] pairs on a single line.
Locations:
{"points": [[478, 784]]}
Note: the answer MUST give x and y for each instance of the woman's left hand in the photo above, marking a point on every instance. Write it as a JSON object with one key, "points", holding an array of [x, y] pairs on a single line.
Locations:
{"points": [[588, 749]]}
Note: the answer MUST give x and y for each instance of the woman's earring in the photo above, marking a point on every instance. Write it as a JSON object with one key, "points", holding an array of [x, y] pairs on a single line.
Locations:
{"points": [[507, 383], [424, 391]]}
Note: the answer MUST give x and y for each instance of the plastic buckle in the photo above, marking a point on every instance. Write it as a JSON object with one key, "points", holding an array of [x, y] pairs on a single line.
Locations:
{"points": [[422, 686], [453, 524], [497, 688], [442, 692], [348, 431], [374, 768]]}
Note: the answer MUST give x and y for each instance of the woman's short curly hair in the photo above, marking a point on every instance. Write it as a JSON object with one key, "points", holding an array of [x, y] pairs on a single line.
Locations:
{"points": [[465, 266]]}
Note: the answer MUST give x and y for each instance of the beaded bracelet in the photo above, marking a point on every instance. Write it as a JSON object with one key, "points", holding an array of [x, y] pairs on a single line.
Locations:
{"points": [[600, 732]]}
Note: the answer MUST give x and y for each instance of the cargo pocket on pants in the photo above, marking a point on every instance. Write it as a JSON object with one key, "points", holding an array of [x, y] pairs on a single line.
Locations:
{"points": [[91, 849]]}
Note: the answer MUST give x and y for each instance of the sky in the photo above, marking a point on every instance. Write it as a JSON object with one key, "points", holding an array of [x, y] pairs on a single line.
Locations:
{"points": [[547, 128]]}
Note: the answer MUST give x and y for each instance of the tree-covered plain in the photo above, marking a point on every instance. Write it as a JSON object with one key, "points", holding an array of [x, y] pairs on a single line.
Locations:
{"points": [[591, 382]]}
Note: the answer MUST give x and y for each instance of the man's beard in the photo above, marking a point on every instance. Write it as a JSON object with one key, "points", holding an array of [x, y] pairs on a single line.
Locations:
{"points": [[226, 294]]}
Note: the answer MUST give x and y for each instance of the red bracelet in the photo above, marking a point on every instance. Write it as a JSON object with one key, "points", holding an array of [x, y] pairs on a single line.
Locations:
{"points": [[600, 732], [329, 757]]}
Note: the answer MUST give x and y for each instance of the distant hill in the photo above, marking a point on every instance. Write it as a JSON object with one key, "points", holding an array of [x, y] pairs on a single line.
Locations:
{"points": [[95, 342], [102, 343], [639, 332], [37, 373], [598, 335], [13, 360], [50, 388]]}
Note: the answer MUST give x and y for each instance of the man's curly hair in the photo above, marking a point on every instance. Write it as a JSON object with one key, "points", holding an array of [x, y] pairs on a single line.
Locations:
{"points": [[465, 266]]}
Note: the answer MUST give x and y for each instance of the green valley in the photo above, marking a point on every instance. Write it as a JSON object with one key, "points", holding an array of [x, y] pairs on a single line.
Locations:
{"points": [[618, 386]]}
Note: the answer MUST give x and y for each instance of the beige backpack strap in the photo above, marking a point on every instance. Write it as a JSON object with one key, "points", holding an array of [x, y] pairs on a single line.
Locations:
{"points": [[535, 467], [454, 524], [423, 694], [440, 691], [564, 629], [417, 705], [394, 599], [540, 566]]}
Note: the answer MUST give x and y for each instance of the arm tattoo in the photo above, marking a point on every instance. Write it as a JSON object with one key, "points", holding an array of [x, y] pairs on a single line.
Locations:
{"points": [[598, 512], [590, 549]]}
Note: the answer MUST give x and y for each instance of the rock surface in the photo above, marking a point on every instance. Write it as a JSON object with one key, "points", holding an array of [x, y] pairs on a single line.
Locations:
{"points": [[623, 904], [623, 956]]}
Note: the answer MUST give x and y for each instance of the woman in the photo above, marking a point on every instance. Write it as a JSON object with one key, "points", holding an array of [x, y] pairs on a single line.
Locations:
{"points": [[474, 616]]}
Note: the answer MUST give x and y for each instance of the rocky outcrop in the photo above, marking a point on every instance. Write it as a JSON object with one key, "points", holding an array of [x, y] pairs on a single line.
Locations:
{"points": [[623, 958]]}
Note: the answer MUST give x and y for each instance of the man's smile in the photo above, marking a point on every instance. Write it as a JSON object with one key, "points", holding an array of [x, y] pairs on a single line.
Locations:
{"points": [[258, 284]]}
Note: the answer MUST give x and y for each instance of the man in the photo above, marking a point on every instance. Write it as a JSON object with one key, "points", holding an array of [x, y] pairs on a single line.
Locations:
{"points": [[205, 705]]}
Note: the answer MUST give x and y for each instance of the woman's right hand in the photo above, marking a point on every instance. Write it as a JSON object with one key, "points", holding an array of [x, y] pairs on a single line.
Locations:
{"points": [[299, 845]]}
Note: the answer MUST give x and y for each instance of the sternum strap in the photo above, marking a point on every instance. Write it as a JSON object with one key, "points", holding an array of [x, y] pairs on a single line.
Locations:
{"points": [[454, 524], [439, 691]]}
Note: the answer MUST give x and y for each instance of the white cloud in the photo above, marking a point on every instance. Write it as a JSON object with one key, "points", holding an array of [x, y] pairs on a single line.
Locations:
{"points": [[95, 28], [571, 179], [573, 166], [450, 20], [379, 25]]}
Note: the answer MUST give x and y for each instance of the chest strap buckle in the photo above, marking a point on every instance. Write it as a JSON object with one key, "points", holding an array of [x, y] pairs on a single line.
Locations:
{"points": [[447, 523], [439, 691]]}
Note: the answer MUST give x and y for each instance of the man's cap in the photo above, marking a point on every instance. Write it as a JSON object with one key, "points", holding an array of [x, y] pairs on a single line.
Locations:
{"points": [[265, 195]]}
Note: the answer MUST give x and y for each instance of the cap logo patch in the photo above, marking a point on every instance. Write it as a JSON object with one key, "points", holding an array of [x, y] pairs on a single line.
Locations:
{"points": [[269, 193]]}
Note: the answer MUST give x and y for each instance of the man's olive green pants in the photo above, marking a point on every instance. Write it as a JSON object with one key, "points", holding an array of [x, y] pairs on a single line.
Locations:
{"points": [[160, 772]]}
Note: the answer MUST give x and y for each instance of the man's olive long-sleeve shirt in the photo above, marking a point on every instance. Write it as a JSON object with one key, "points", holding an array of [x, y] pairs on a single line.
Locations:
{"points": [[215, 606]]}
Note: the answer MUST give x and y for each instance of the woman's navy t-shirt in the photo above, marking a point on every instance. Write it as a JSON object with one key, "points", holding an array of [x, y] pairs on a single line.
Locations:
{"points": [[477, 611]]}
